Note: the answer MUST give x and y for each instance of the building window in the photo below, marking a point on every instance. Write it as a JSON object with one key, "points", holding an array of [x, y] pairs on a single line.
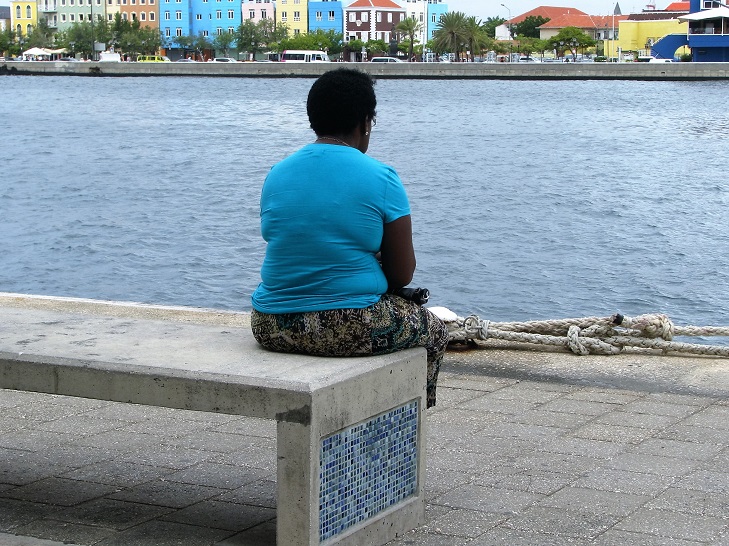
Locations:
{"points": [[263, 14], [178, 15], [389, 17], [331, 16], [151, 16], [142, 16], [378, 16], [318, 16], [167, 32], [433, 18], [63, 18], [251, 14], [72, 18], [297, 16], [206, 33], [178, 31], [218, 14], [167, 16], [231, 30], [219, 31], [231, 14], [18, 12], [284, 16], [125, 17], [365, 16], [352, 17]]}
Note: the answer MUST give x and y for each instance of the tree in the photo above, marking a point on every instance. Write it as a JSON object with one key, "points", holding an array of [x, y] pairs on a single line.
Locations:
{"points": [[410, 28], [224, 42], [489, 26], [249, 38], [475, 36], [570, 38], [41, 35], [450, 33], [201, 44], [7, 41], [529, 27]]}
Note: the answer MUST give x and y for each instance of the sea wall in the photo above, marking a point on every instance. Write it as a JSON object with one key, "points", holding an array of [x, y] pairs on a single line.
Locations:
{"points": [[516, 71]]}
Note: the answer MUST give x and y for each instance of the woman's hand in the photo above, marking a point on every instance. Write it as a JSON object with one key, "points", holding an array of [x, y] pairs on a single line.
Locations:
{"points": [[397, 255]]}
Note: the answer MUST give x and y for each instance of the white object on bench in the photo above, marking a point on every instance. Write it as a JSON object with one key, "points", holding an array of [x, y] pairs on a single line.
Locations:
{"points": [[350, 436]]}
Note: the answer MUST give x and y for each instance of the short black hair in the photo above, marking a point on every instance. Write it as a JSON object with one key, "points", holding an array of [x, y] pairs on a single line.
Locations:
{"points": [[339, 100]]}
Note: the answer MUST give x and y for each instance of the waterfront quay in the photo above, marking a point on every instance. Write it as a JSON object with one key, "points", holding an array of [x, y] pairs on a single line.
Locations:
{"points": [[514, 71], [525, 447]]}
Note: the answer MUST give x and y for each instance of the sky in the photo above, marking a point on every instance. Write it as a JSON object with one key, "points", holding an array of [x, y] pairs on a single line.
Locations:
{"points": [[483, 9]]}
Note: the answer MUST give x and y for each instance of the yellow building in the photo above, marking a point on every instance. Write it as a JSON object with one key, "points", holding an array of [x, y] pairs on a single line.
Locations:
{"points": [[641, 30], [23, 16], [294, 14]]}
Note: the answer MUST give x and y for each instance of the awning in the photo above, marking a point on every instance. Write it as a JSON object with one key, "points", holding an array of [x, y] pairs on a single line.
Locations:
{"points": [[703, 15], [41, 51]]}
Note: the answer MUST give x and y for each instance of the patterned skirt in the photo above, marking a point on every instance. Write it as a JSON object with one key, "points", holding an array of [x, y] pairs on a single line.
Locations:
{"points": [[390, 325]]}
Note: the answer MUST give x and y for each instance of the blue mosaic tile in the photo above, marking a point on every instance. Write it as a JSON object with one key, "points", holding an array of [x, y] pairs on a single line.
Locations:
{"points": [[367, 468]]}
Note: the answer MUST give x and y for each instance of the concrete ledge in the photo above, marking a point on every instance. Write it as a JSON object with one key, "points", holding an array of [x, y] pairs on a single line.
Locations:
{"points": [[517, 71]]}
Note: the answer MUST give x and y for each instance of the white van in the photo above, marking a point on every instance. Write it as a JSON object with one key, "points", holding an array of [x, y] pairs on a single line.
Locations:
{"points": [[304, 56], [109, 57]]}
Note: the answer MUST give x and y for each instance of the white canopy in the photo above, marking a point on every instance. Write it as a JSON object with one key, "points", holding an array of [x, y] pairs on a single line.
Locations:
{"points": [[705, 14], [42, 51]]}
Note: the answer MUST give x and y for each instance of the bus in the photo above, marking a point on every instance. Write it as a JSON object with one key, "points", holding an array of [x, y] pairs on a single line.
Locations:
{"points": [[304, 56]]}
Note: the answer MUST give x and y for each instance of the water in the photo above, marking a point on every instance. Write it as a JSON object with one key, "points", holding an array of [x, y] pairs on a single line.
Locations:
{"points": [[531, 200]]}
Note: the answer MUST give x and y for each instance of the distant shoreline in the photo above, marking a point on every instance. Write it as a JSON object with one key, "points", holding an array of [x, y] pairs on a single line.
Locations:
{"points": [[514, 71]]}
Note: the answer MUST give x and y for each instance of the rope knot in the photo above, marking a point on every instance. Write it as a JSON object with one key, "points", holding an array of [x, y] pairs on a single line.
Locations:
{"points": [[654, 326], [575, 343], [475, 327]]}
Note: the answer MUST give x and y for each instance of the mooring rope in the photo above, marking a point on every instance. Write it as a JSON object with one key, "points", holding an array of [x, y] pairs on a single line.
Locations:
{"points": [[588, 335]]}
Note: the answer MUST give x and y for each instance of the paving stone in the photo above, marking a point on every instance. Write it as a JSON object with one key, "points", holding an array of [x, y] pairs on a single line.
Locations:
{"points": [[166, 533], [488, 499], [613, 537], [165, 493], [222, 515], [16, 513], [111, 514], [516, 537], [652, 464], [622, 481], [61, 531], [673, 525], [216, 475], [258, 493], [119, 473], [595, 502], [260, 535], [700, 503], [566, 523], [463, 523], [60, 491]]}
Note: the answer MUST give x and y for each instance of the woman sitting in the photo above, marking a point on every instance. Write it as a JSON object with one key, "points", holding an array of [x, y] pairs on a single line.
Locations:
{"points": [[339, 241]]}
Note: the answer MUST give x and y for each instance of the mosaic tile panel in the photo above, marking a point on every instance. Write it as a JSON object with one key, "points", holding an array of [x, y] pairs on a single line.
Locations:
{"points": [[367, 468]]}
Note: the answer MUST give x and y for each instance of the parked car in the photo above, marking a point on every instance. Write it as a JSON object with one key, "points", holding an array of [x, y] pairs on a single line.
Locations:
{"points": [[185, 61], [528, 60], [385, 60], [224, 60], [69, 59], [657, 60], [153, 59]]}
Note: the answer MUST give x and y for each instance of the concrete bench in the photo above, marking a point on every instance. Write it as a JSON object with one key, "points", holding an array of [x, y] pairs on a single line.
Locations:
{"points": [[350, 441]]}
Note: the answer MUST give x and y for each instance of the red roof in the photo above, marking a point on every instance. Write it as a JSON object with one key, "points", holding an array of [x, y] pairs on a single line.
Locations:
{"points": [[584, 21], [679, 6], [382, 4], [548, 12]]}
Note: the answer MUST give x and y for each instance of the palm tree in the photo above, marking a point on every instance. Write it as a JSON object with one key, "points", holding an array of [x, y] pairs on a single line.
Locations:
{"points": [[475, 35], [450, 33], [410, 28]]}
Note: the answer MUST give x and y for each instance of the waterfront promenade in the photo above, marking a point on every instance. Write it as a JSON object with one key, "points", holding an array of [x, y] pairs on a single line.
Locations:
{"points": [[524, 448], [515, 71]]}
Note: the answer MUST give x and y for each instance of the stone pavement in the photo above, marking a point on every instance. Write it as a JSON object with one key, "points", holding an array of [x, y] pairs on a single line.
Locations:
{"points": [[524, 448]]}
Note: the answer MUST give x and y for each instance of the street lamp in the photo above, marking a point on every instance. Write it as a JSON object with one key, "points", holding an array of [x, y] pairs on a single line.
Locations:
{"points": [[511, 37]]}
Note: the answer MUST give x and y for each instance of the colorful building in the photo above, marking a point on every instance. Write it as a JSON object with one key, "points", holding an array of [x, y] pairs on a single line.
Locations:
{"points": [[24, 16], [294, 14], [372, 20], [641, 31], [257, 10], [326, 15]]}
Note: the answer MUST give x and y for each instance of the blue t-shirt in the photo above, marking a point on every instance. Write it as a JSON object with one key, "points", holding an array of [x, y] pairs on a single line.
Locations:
{"points": [[322, 214]]}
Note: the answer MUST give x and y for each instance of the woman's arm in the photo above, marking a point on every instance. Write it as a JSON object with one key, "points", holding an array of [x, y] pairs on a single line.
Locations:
{"points": [[397, 253]]}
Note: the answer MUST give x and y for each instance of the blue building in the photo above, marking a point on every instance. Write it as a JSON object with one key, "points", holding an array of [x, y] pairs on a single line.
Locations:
{"points": [[707, 34], [326, 15], [194, 17], [436, 9]]}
